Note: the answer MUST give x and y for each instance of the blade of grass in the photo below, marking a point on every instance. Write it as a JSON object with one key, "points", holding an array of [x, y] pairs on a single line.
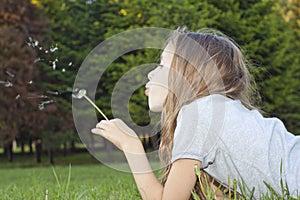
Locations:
{"points": [[56, 178]]}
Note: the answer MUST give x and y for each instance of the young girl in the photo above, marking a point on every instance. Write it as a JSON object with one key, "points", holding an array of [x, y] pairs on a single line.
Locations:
{"points": [[202, 87]]}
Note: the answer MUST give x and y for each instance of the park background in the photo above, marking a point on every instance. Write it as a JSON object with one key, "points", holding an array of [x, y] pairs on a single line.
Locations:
{"points": [[44, 42]]}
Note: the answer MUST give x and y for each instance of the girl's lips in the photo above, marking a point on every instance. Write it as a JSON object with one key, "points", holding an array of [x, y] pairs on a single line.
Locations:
{"points": [[147, 91]]}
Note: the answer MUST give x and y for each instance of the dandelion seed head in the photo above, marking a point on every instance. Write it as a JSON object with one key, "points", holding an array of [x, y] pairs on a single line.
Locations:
{"points": [[78, 93]]}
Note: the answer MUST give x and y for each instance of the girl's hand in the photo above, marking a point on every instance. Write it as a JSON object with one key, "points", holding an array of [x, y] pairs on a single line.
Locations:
{"points": [[118, 133]]}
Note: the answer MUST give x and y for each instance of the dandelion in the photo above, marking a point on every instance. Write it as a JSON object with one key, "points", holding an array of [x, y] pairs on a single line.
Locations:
{"points": [[80, 93]]}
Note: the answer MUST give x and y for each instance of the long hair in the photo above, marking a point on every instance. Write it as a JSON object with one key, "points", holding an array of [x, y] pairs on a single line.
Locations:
{"points": [[204, 63]]}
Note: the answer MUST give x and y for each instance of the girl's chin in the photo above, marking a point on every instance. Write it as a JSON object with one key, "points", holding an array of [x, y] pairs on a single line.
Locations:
{"points": [[155, 108]]}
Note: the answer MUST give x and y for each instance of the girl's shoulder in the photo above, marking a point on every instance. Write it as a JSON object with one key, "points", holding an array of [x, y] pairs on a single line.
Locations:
{"points": [[213, 102]]}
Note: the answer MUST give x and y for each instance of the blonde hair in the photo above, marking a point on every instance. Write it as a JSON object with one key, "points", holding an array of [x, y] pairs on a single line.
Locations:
{"points": [[205, 62]]}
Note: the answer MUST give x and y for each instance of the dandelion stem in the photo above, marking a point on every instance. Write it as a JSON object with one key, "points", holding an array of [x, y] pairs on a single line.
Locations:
{"points": [[95, 106]]}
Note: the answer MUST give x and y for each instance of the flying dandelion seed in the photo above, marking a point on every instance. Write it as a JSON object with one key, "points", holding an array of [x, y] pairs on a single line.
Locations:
{"points": [[41, 106], [54, 64], [44, 103], [30, 82], [9, 74], [38, 97], [63, 70], [70, 64], [46, 51], [53, 49], [37, 60], [18, 96], [6, 83], [52, 92], [30, 41]]}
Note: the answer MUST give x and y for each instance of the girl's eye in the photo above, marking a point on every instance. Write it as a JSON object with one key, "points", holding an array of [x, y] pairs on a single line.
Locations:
{"points": [[159, 65]]}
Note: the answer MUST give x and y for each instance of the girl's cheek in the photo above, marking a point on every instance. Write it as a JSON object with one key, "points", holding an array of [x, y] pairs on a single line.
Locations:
{"points": [[156, 98]]}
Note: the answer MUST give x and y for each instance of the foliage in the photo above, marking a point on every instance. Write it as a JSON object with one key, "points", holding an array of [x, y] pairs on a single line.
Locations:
{"points": [[232, 193], [265, 29], [18, 21]]}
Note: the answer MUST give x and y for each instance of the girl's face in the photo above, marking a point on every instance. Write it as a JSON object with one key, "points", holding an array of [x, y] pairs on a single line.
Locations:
{"points": [[157, 87]]}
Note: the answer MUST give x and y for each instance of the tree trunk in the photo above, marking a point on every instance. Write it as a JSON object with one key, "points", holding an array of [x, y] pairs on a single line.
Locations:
{"points": [[72, 148], [8, 149], [30, 147], [38, 150], [22, 148], [65, 149], [51, 156]]}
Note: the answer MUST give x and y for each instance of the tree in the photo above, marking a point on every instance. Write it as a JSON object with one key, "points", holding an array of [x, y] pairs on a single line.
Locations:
{"points": [[18, 21], [267, 40]]}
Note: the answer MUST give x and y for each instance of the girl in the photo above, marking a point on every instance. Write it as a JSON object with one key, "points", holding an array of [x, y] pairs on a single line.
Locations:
{"points": [[202, 87]]}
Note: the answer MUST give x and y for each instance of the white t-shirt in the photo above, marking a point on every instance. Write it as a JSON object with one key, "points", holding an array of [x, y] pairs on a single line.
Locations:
{"points": [[234, 142]]}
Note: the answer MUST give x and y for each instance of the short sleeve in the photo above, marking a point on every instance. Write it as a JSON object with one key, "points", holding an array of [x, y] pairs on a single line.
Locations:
{"points": [[198, 126]]}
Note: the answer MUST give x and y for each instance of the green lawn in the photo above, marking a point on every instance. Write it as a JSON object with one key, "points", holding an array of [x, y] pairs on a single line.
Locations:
{"points": [[86, 182], [87, 178]]}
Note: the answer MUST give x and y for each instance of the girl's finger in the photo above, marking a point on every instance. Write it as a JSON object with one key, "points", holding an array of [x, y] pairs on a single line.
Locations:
{"points": [[97, 131], [101, 124]]}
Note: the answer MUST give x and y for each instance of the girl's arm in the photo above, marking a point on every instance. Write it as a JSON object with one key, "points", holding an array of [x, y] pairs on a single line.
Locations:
{"points": [[181, 179]]}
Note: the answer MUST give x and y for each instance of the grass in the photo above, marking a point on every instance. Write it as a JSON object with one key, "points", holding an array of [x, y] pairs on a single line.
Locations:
{"points": [[231, 193], [63, 182], [86, 179]]}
